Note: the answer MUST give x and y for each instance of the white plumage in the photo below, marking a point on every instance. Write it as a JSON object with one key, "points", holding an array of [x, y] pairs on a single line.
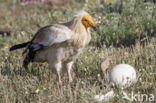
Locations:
{"points": [[60, 44]]}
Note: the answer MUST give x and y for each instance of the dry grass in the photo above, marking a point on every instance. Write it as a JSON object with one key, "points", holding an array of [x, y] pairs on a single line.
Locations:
{"points": [[39, 86]]}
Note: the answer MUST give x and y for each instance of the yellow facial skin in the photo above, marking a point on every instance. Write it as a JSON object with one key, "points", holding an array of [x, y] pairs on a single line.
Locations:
{"points": [[87, 21]]}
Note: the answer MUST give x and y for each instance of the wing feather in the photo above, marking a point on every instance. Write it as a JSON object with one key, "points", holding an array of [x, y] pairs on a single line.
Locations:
{"points": [[53, 34]]}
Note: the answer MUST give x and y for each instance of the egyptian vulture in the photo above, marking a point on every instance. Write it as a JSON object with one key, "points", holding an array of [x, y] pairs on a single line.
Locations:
{"points": [[59, 44]]}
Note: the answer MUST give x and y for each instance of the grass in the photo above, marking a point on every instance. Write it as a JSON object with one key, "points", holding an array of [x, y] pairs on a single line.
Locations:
{"points": [[129, 37]]}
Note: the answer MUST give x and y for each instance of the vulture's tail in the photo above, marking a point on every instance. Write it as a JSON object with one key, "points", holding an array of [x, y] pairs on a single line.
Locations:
{"points": [[19, 46], [29, 58], [31, 54], [32, 51]]}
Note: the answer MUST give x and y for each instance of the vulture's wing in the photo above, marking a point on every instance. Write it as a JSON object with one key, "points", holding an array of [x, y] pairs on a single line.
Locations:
{"points": [[53, 34], [50, 35]]}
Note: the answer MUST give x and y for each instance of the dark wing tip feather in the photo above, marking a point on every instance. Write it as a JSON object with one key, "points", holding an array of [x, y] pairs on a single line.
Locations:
{"points": [[18, 46], [11, 49]]}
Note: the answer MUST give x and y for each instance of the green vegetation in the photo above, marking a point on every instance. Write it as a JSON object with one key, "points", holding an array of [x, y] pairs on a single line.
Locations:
{"points": [[129, 37]]}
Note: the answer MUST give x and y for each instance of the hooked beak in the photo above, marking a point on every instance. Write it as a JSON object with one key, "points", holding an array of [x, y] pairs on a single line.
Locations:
{"points": [[92, 25], [94, 28]]}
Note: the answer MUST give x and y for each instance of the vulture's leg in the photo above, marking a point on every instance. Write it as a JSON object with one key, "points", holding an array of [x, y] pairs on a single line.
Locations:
{"points": [[69, 67], [59, 77], [58, 68]]}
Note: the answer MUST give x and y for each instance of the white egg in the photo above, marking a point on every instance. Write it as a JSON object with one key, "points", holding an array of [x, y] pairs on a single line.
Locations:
{"points": [[123, 75]]}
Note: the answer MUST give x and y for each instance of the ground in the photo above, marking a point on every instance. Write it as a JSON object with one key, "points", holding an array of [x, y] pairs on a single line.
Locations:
{"points": [[129, 37]]}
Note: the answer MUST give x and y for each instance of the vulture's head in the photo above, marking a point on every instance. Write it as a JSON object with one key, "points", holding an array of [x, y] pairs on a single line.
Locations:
{"points": [[85, 19]]}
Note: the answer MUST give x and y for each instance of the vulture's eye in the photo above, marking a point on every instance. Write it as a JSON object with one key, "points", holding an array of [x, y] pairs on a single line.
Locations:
{"points": [[86, 21]]}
